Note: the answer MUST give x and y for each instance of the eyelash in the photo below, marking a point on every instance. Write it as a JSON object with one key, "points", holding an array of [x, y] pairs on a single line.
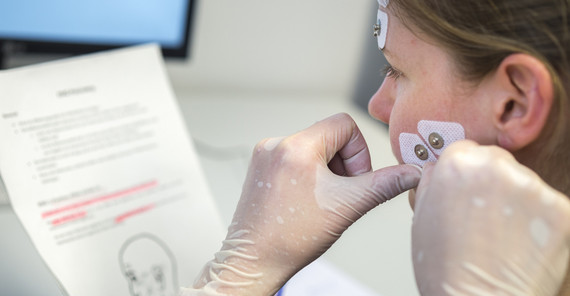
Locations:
{"points": [[392, 72]]}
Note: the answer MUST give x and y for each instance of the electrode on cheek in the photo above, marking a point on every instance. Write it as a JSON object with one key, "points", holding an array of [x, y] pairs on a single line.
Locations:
{"points": [[436, 141], [433, 138], [421, 152], [440, 134], [414, 151]]}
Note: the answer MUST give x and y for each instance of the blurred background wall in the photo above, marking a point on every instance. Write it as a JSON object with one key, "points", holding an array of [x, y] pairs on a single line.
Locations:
{"points": [[321, 47]]}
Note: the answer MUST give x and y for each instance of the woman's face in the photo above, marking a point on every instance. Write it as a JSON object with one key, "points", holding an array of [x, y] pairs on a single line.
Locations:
{"points": [[422, 84]]}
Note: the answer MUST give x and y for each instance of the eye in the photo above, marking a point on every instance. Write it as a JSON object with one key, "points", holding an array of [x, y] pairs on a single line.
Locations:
{"points": [[392, 72]]}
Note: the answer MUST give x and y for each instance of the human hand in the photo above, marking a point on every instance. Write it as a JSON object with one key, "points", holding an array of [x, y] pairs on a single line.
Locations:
{"points": [[300, 194], [486, 225]]}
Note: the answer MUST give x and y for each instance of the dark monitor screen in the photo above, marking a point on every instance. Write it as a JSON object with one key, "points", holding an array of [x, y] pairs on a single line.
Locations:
{"points": [[82, 26]]}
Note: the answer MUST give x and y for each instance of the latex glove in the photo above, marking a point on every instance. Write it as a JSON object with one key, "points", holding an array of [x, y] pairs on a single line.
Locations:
{"points": [[486, 225], [295, 204]]}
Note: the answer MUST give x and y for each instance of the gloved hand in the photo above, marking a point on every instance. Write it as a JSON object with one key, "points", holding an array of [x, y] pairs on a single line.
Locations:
{"points": [[301, 192], [486, 225]]}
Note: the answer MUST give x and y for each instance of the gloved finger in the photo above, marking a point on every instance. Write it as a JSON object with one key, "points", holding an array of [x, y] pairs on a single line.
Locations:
{"points": [[340, 136], [392, 181], [336, 165], [480, 200], [352, 197], [463, 147], [355, 155], [427, 173]]}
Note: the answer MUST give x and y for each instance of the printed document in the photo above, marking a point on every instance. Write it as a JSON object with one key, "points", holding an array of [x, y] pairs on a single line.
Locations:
{"points": [[102, 174]]}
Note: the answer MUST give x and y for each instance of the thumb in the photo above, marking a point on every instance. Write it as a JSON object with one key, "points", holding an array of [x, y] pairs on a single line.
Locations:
{"points": [[389, 182], [365, 192]]}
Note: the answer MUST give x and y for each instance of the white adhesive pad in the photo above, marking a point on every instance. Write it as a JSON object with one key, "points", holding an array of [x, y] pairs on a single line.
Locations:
{"points": [[449, 131], [408, 144], [382, 20]]}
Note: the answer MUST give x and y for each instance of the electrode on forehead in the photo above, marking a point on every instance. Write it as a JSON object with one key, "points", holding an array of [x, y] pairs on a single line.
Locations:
{"points": [[381, 26], [433, 138]]}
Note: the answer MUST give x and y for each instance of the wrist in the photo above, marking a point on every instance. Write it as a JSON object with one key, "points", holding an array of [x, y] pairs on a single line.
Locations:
{"points": [[219, 279], [238, 270]]}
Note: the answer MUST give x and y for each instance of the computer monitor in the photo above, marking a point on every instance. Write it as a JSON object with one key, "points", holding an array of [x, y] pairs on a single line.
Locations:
{"points": [[77, 27]]}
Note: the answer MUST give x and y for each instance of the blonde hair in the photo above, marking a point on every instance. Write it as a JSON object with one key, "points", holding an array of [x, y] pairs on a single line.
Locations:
{"points": [[478, 35]]}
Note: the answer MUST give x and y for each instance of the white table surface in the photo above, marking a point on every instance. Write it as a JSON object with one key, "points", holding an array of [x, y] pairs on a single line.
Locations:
{"points": [[225, 128]]}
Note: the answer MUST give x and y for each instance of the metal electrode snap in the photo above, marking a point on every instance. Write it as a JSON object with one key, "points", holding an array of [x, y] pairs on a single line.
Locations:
{"points": [[421, 152], [376, 29], [436, 141]]}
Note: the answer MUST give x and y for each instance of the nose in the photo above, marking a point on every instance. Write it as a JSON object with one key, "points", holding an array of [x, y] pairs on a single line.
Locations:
{"points": [[381, 104]]}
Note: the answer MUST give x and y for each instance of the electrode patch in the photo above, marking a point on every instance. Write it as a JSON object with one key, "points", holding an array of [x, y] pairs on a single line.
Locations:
{"points": [[381, 28], [433, 138], [449, 131], [410, 145]]}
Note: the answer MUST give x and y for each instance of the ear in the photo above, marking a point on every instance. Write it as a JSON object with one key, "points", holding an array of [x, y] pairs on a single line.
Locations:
{"points": [[525, 98]]}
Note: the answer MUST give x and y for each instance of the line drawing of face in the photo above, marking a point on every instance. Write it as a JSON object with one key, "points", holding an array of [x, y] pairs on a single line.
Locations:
{"points": [[149, 266]]}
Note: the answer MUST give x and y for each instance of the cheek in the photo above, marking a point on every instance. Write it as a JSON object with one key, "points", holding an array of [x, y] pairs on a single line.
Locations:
{"points": [[394, 134], [403, 120]]}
